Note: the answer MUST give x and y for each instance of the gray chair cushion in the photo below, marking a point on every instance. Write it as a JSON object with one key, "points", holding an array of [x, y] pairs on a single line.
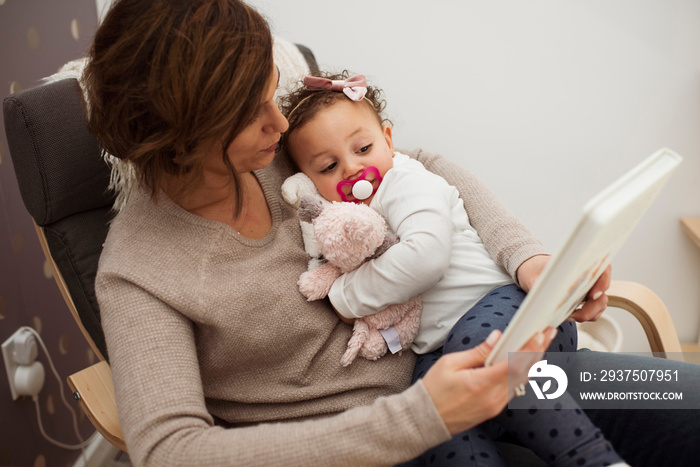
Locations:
{"points": [[76, 244], [63, 181], [56, 158]]}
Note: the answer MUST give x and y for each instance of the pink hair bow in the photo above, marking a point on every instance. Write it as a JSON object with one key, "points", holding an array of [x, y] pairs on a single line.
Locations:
{"points": [[355, 87]]}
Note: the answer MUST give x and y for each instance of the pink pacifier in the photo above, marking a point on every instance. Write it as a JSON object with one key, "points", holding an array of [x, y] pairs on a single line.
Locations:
{"points": [[361, 188]]}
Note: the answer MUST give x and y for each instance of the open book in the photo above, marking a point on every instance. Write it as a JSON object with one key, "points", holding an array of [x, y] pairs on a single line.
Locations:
{"points": [[605, 224]]}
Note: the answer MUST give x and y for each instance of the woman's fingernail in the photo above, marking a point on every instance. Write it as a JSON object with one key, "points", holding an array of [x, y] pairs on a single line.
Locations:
{"points": [[552, 333], [597, 295], [493, 337], [539, 339]]}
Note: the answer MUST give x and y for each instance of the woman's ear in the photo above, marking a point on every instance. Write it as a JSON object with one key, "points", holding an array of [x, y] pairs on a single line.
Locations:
{"points": [[386, 129]]}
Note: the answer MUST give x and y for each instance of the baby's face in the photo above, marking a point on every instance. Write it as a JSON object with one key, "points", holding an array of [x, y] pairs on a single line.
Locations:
{"points": [[339, 143]]}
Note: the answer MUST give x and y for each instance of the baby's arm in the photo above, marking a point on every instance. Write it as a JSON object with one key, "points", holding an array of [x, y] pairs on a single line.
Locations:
{"points": [[417, 207], [390, 240], [506, 239]]}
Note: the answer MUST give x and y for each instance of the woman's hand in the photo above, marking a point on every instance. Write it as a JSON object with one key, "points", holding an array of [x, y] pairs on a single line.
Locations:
{"points": [[466, 393], [596, 301]]}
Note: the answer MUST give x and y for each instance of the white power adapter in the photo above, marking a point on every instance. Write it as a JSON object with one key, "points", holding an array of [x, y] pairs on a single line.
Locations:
{"points": [[25, 374], [24, 348]]}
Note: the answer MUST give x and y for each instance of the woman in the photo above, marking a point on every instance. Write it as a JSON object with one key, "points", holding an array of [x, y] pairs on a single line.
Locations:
{"points": [[204, 326]]}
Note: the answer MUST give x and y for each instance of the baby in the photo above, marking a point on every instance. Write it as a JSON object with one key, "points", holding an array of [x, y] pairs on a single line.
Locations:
{"points": [[339, 138], [341, 144]]}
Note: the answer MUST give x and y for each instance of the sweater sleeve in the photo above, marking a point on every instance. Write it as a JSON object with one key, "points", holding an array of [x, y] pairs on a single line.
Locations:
{"points": [[506, 239], [416, 205], [162, 409]]}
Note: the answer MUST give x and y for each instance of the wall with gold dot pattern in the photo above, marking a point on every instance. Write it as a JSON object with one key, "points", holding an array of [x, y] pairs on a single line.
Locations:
{"points": [[37, 37]]}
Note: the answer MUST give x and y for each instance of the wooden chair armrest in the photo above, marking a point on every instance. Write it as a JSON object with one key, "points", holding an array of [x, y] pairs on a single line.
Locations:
{"points": [[96, 390], [651, 313]]}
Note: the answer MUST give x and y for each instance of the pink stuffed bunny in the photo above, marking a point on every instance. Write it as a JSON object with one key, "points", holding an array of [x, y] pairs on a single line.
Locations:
{"points": [[347, 234]]}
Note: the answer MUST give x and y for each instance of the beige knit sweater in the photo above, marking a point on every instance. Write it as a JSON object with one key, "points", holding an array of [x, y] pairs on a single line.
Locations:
{"points": [[212, 347]]}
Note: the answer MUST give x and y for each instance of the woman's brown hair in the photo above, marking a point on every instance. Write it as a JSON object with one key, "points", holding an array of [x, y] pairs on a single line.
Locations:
{"points": [[166, 77]]}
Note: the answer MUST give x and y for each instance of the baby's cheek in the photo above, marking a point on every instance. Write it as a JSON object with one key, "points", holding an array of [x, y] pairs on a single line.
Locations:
{"points": [[329, 191]]}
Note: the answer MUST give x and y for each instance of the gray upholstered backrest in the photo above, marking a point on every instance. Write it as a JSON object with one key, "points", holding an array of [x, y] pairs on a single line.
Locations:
{"points": [[63, 181], [52, 149]]}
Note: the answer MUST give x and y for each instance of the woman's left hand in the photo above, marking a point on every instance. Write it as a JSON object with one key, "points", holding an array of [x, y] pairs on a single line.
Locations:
{"points": [[596, 301]]}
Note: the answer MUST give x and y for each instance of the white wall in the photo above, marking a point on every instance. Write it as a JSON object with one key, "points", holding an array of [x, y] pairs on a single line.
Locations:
{"points": [[546, 100]]}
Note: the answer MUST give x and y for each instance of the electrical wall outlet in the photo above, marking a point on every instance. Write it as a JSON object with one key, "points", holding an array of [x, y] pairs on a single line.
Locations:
{"points": [[18, 349]]}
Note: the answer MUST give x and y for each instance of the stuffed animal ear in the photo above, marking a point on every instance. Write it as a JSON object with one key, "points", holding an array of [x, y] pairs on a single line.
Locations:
{"points": [[309, 208], [296, 187]]}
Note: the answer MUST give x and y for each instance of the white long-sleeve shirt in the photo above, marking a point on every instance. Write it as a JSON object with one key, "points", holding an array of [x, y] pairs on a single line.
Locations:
{"points": [[439, 255]]}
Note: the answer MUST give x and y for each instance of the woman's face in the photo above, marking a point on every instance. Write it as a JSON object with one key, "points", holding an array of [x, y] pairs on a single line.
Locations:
{"points": [[254, 148], [339, 143]]}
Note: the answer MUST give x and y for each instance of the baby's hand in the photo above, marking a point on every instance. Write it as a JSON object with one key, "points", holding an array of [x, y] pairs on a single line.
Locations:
{"points": [[316, 283]]}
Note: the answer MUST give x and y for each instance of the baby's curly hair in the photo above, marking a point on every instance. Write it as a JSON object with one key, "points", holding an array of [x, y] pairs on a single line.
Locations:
{"points": [[300, 105]]}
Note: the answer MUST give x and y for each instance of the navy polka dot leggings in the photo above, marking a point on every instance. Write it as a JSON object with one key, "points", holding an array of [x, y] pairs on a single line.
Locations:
{"points": [[563, 437]]}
